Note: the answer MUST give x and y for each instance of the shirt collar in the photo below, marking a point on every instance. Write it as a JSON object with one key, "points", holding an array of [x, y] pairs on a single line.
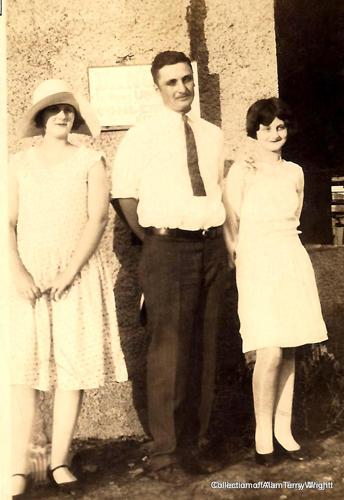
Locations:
{"points": [[192, 116], [176, 118]]}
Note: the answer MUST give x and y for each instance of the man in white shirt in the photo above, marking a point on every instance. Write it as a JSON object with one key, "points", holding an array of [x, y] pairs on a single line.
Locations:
{"points": [[167, 176]]}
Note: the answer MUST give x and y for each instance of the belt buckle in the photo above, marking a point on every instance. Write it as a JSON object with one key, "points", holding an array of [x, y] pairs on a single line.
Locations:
{"points": [[204, 232]]}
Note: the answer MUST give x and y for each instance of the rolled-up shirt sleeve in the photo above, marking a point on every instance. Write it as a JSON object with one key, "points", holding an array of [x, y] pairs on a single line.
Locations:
{"points": [[125, 173]]}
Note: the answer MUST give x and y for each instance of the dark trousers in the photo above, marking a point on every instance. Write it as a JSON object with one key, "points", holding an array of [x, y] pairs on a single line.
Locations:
{"points": [[182, 281]]}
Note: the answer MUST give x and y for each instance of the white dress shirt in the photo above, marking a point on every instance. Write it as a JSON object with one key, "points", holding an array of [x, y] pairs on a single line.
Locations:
{"points": [[151, 166]]}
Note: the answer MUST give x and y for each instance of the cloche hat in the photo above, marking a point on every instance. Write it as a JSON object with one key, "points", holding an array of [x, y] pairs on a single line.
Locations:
{"points": [[51, 92]]}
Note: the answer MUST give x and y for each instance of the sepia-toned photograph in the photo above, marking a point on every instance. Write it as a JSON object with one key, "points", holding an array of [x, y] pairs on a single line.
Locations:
{"points": [[173, 284]]}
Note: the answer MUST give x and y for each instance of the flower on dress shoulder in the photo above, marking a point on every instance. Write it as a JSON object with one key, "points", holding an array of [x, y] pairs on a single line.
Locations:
{"points": [[246, 155], [250, 163]]}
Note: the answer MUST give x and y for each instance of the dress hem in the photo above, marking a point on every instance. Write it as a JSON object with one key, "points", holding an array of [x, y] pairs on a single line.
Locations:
{"points": [[285, 346]]}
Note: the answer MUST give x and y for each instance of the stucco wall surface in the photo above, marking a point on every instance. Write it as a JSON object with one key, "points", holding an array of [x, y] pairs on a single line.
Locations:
{"points": [[233, 43], [242, 52]]}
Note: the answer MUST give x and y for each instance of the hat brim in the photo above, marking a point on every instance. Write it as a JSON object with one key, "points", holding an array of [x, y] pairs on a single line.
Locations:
{"points": [[89, 121]]}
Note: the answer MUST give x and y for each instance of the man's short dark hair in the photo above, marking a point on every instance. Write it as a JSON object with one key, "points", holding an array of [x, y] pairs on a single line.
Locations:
{"points": [[167, 58], [264, 111]]}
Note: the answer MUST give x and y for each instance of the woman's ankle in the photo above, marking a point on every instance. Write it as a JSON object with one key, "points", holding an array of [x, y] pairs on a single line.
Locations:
{"points": [[287, 441], [63, 475], [18, 483]]}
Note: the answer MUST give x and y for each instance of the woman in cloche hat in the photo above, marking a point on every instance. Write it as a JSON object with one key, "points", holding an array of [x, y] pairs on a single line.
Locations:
{"points": [[64, 333]]}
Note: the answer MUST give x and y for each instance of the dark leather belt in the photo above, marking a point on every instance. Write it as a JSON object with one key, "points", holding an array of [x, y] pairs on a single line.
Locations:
{"points": [[176, 233]]}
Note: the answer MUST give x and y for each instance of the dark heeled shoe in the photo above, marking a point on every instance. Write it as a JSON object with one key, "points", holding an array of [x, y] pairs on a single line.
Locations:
{"points": [[28, 485], [265, 459], [299, 455], [71, 487]]}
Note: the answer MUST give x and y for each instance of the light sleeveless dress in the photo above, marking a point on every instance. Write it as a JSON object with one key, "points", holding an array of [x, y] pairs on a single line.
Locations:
{"points": [[73, 343], [278, 298]]}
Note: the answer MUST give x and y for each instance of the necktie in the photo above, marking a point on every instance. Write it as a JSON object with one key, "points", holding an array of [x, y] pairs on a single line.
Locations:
{"points": [[192, 158]]}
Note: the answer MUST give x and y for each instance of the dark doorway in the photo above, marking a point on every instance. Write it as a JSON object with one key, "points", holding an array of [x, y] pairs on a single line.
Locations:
{"points": [[310, 58]]}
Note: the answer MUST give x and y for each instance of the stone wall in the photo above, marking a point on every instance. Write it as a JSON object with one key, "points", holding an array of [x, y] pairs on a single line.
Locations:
{"points": [[328, 262], [234, 45]]}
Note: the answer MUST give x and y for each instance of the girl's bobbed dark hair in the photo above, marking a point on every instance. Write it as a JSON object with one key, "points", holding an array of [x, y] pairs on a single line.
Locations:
{"points": [[264, 111]]}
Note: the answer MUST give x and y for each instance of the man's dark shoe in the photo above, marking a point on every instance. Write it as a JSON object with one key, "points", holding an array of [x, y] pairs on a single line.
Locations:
{"points": [[172, 474], [200, 464]]}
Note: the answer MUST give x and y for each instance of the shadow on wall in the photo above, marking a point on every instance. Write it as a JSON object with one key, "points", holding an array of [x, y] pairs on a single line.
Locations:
{"points": [[134, 338], [209, 84]]}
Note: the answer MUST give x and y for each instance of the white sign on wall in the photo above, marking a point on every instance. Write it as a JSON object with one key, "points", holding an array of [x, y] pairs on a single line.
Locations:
{"points": [[125, 95]]}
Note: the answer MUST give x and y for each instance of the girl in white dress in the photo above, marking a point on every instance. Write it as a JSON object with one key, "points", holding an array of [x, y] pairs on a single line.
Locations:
{"points": [[279, 306], [63, 325]]}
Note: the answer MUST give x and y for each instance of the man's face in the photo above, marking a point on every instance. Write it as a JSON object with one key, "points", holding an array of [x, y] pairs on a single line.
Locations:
{"points": [[176, 86]]}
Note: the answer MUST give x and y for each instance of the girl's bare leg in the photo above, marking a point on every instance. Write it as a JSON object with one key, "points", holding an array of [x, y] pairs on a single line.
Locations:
{"points": [[284, 401], [265, 383], [23, 410], [67, 405]]}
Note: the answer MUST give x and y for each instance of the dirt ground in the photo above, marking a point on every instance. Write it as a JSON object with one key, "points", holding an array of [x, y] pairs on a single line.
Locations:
{"points": [[117, 470]]}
